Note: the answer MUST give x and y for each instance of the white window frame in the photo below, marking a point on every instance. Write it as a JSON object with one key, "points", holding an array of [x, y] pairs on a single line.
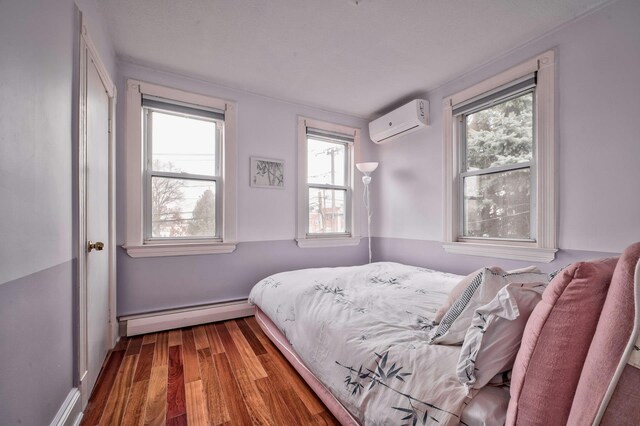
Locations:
{"points": [[544, 247], [351, 237], [135, 243]]}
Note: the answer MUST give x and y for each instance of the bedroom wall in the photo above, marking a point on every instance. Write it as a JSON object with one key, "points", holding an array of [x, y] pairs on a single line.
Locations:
{"points": [[37, 259], [598, 148], [266, 217]]}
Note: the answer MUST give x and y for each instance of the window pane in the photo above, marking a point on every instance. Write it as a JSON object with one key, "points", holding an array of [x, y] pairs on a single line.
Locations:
{"points": [[327, 213], [501, 134], [183, 144], [325, 162], [182, 208], [498, 205]]}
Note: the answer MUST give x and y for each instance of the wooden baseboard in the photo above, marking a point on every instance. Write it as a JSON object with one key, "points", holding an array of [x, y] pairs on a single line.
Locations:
{"points": [[70, 412], [166, 320]]}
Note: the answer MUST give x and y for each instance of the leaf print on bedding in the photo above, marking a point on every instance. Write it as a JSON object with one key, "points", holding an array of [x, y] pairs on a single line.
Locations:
{"points": [[388, 281], [270, 282], [422, 323], [394, 282], [425, 323], [336, 291], [483, 326], [385, 377], [470, 370]]}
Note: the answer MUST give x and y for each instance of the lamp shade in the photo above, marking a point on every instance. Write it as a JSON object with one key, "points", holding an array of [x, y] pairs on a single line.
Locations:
{"points": [[367, 167]]}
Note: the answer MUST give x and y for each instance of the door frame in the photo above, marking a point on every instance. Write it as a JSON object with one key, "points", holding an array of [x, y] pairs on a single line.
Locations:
{"points": [[88, 53]]}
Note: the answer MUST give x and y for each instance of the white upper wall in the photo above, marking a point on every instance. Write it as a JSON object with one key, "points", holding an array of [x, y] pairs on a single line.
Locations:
{"points": [[598, 145]]}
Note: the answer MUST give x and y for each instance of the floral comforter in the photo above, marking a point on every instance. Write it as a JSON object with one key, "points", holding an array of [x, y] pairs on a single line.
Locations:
{"points": [[363, 332]]}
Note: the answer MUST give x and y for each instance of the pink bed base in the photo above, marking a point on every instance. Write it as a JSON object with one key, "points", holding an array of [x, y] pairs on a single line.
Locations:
{"points": [[275, 335]]}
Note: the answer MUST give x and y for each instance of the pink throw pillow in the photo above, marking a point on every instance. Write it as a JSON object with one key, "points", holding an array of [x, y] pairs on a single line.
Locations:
{"points": [[555, 344], [609, 344]]}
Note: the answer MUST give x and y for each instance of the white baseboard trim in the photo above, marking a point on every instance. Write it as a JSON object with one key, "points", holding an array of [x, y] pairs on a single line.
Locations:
{"points": [[185, 317], [70, 411]]}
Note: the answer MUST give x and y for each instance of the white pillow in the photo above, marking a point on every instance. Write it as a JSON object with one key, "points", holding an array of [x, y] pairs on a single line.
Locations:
{"points": [[457, 292], [482, 290], [531, 268], [464, 283], [493, 339]]}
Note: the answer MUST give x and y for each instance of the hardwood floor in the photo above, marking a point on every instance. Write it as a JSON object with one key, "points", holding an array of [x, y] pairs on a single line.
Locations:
{"points": [[226, 373]]}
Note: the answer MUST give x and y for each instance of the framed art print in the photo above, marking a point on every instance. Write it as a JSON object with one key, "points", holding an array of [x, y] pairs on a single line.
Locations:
{"points": [[267, 173]]}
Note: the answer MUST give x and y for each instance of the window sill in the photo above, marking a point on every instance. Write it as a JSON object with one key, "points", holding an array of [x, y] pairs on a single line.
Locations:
{"points": [[178, 249], [532, 254], [328, 242]]}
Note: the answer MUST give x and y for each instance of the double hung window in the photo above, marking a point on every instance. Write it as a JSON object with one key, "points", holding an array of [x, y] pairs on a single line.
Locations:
{"points": [[180, 172], [326, 153], [497, 170], [183, 170], [499, 165], [328, 182]]}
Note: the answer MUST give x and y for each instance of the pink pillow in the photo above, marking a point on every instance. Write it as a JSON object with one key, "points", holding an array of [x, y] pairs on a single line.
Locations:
{"points": [[458, 290], [555, 344], [609, 342]]}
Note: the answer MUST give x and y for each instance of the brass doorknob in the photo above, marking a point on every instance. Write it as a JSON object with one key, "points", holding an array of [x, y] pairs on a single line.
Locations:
{"points": [[96, 246]]}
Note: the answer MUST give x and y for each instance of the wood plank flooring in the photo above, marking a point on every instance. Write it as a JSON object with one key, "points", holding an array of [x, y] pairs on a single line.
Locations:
{"points": [[226, 373]]}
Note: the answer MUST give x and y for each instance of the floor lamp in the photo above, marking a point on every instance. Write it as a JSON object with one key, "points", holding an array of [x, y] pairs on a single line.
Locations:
{"points": [[367, 169]]}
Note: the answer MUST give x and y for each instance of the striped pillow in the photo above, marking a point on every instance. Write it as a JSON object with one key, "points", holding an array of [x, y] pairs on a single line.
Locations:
{"points": [[482, 290]]}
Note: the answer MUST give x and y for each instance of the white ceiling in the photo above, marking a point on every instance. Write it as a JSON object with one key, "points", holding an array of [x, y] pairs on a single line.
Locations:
{"points": [[333, 54]]}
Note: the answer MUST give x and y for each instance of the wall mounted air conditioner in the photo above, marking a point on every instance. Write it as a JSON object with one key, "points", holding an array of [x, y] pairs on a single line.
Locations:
{"points": [[399, 122]]}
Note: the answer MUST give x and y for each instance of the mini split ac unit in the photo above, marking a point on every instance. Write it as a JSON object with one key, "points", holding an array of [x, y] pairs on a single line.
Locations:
{"points": [[399, 122]]}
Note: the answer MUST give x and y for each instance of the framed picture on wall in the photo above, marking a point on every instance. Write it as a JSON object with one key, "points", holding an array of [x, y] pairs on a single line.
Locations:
{"points": [[267, 173]]}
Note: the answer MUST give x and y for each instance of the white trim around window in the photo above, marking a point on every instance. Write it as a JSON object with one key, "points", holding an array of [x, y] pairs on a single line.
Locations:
{"points": [[135, 243], [544, 247], [351, 236]]}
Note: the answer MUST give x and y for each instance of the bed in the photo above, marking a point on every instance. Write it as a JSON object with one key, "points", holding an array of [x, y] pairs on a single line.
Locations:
{"points": [[359, 337]]}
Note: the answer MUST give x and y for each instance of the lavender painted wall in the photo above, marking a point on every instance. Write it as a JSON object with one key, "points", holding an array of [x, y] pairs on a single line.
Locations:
{"points": [[598, 139], [158, 283], [36, 350], [39, 51], [266, 218], [430, 254]]}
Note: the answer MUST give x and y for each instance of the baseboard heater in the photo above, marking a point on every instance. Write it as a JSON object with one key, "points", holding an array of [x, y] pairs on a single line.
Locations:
{"points": [[152, 322]]}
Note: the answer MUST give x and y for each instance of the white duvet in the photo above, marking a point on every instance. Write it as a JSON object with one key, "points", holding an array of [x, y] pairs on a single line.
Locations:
{"points": [[363, 332]]}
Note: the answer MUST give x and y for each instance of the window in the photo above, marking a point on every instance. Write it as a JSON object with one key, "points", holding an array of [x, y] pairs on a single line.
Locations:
{"points": [[496, 138], [182, 170], [180, 176], [499, 143], [326, 161]]}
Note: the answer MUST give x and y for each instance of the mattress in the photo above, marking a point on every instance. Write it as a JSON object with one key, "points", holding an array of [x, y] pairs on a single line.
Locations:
{"points": [[487, 408], [361, 332]]}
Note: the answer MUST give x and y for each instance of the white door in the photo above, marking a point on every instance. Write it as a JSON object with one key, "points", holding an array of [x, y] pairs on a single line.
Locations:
{"points": [[97, 222]]}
